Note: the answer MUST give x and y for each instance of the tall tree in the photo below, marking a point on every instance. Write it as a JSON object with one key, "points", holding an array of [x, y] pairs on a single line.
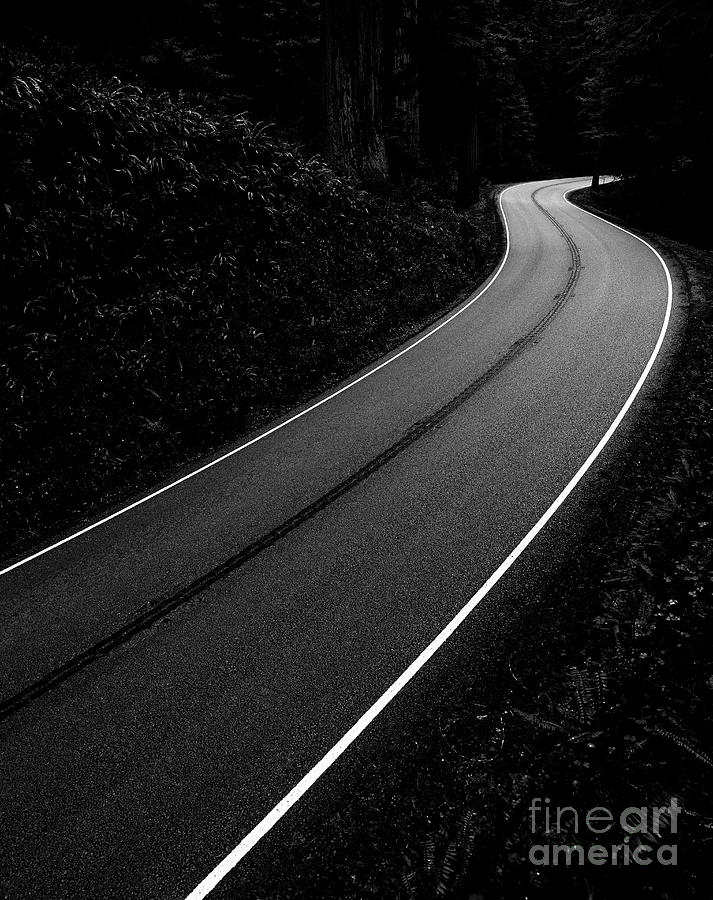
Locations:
{"points": [[469, 149], [467, 26], [647, 79], [404, 120], [352, 84]]}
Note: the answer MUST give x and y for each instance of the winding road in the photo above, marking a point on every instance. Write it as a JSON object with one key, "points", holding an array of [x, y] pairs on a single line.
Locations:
{"points": [[177, 675]]}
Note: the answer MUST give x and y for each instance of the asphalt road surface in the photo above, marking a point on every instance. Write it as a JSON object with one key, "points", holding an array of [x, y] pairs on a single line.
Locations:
{"points": [[168, 676]]}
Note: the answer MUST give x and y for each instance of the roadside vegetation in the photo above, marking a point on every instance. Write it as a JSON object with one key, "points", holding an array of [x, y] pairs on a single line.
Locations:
{"points": [[172, 274]]}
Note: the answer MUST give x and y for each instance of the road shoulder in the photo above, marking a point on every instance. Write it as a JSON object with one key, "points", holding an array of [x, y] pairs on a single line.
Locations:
{"points": [[606, 673]]}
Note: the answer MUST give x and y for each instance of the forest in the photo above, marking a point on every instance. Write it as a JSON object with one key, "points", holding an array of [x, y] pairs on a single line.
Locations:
{"points": [[387, 90], [213, 210]]}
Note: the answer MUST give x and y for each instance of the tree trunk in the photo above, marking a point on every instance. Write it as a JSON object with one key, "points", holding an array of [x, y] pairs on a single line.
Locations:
{"points": [[468, 157], [404, 140], [352, 79], [596, 177], [432, 27]]}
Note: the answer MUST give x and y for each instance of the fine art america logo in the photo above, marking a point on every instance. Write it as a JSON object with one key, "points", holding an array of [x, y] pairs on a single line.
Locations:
{"points": [[641, 831]]}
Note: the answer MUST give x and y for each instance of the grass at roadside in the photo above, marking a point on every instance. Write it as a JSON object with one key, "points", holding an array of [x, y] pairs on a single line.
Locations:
{"points": [[172, 276], [614, 710]]}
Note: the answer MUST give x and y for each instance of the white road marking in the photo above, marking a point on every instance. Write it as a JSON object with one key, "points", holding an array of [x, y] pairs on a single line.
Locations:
{"points": [[263, 435], [302, 786]]}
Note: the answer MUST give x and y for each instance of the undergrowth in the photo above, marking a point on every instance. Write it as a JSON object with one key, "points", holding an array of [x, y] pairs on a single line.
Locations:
{"points": [[674, 203], [171, 275]]}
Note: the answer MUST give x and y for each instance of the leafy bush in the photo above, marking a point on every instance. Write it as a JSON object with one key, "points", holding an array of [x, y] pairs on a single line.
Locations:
{"points": [[168, 271]]}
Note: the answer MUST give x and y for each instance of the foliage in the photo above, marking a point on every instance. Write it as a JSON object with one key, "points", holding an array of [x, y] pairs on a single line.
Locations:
{"points": [[562, 85], [271, 49], [476, 49], [171, 272], [646, 80]]}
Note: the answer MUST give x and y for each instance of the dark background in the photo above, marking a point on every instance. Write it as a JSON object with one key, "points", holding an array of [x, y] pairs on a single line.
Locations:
{"points": [[558, 86]]}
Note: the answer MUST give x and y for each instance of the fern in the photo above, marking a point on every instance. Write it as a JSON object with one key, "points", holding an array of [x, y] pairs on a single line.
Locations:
{"points": [[684, 742], [644, 622], [587, 692], [447, 877]]}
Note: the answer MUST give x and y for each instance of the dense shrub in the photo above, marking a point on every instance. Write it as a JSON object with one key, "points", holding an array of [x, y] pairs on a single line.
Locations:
{"points": [[672, 203], [169, 271]]}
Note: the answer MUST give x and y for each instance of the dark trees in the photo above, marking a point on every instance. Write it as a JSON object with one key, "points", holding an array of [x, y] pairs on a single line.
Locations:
{"points": [[476, 106], [469, 151], [404, 119], [646, 80], [271, 50], [370, 84], [467, 50], [456, 62], [454, 90], [352, 85]]}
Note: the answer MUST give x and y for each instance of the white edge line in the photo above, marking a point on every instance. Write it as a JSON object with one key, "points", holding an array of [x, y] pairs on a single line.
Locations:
{"points": [[278, 427], [302, 786]]}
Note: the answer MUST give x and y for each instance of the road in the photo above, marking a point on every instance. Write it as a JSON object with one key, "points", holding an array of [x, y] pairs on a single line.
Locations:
{"points": [[168, 676]]}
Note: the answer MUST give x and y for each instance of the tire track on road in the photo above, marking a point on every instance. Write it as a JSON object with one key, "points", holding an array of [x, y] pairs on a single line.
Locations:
{"points": [[159, 608]]}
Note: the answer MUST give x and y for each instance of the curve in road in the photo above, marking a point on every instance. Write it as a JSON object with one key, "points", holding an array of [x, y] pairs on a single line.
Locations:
{"points": [[159, 608], [268, 822], [326, 556]]}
